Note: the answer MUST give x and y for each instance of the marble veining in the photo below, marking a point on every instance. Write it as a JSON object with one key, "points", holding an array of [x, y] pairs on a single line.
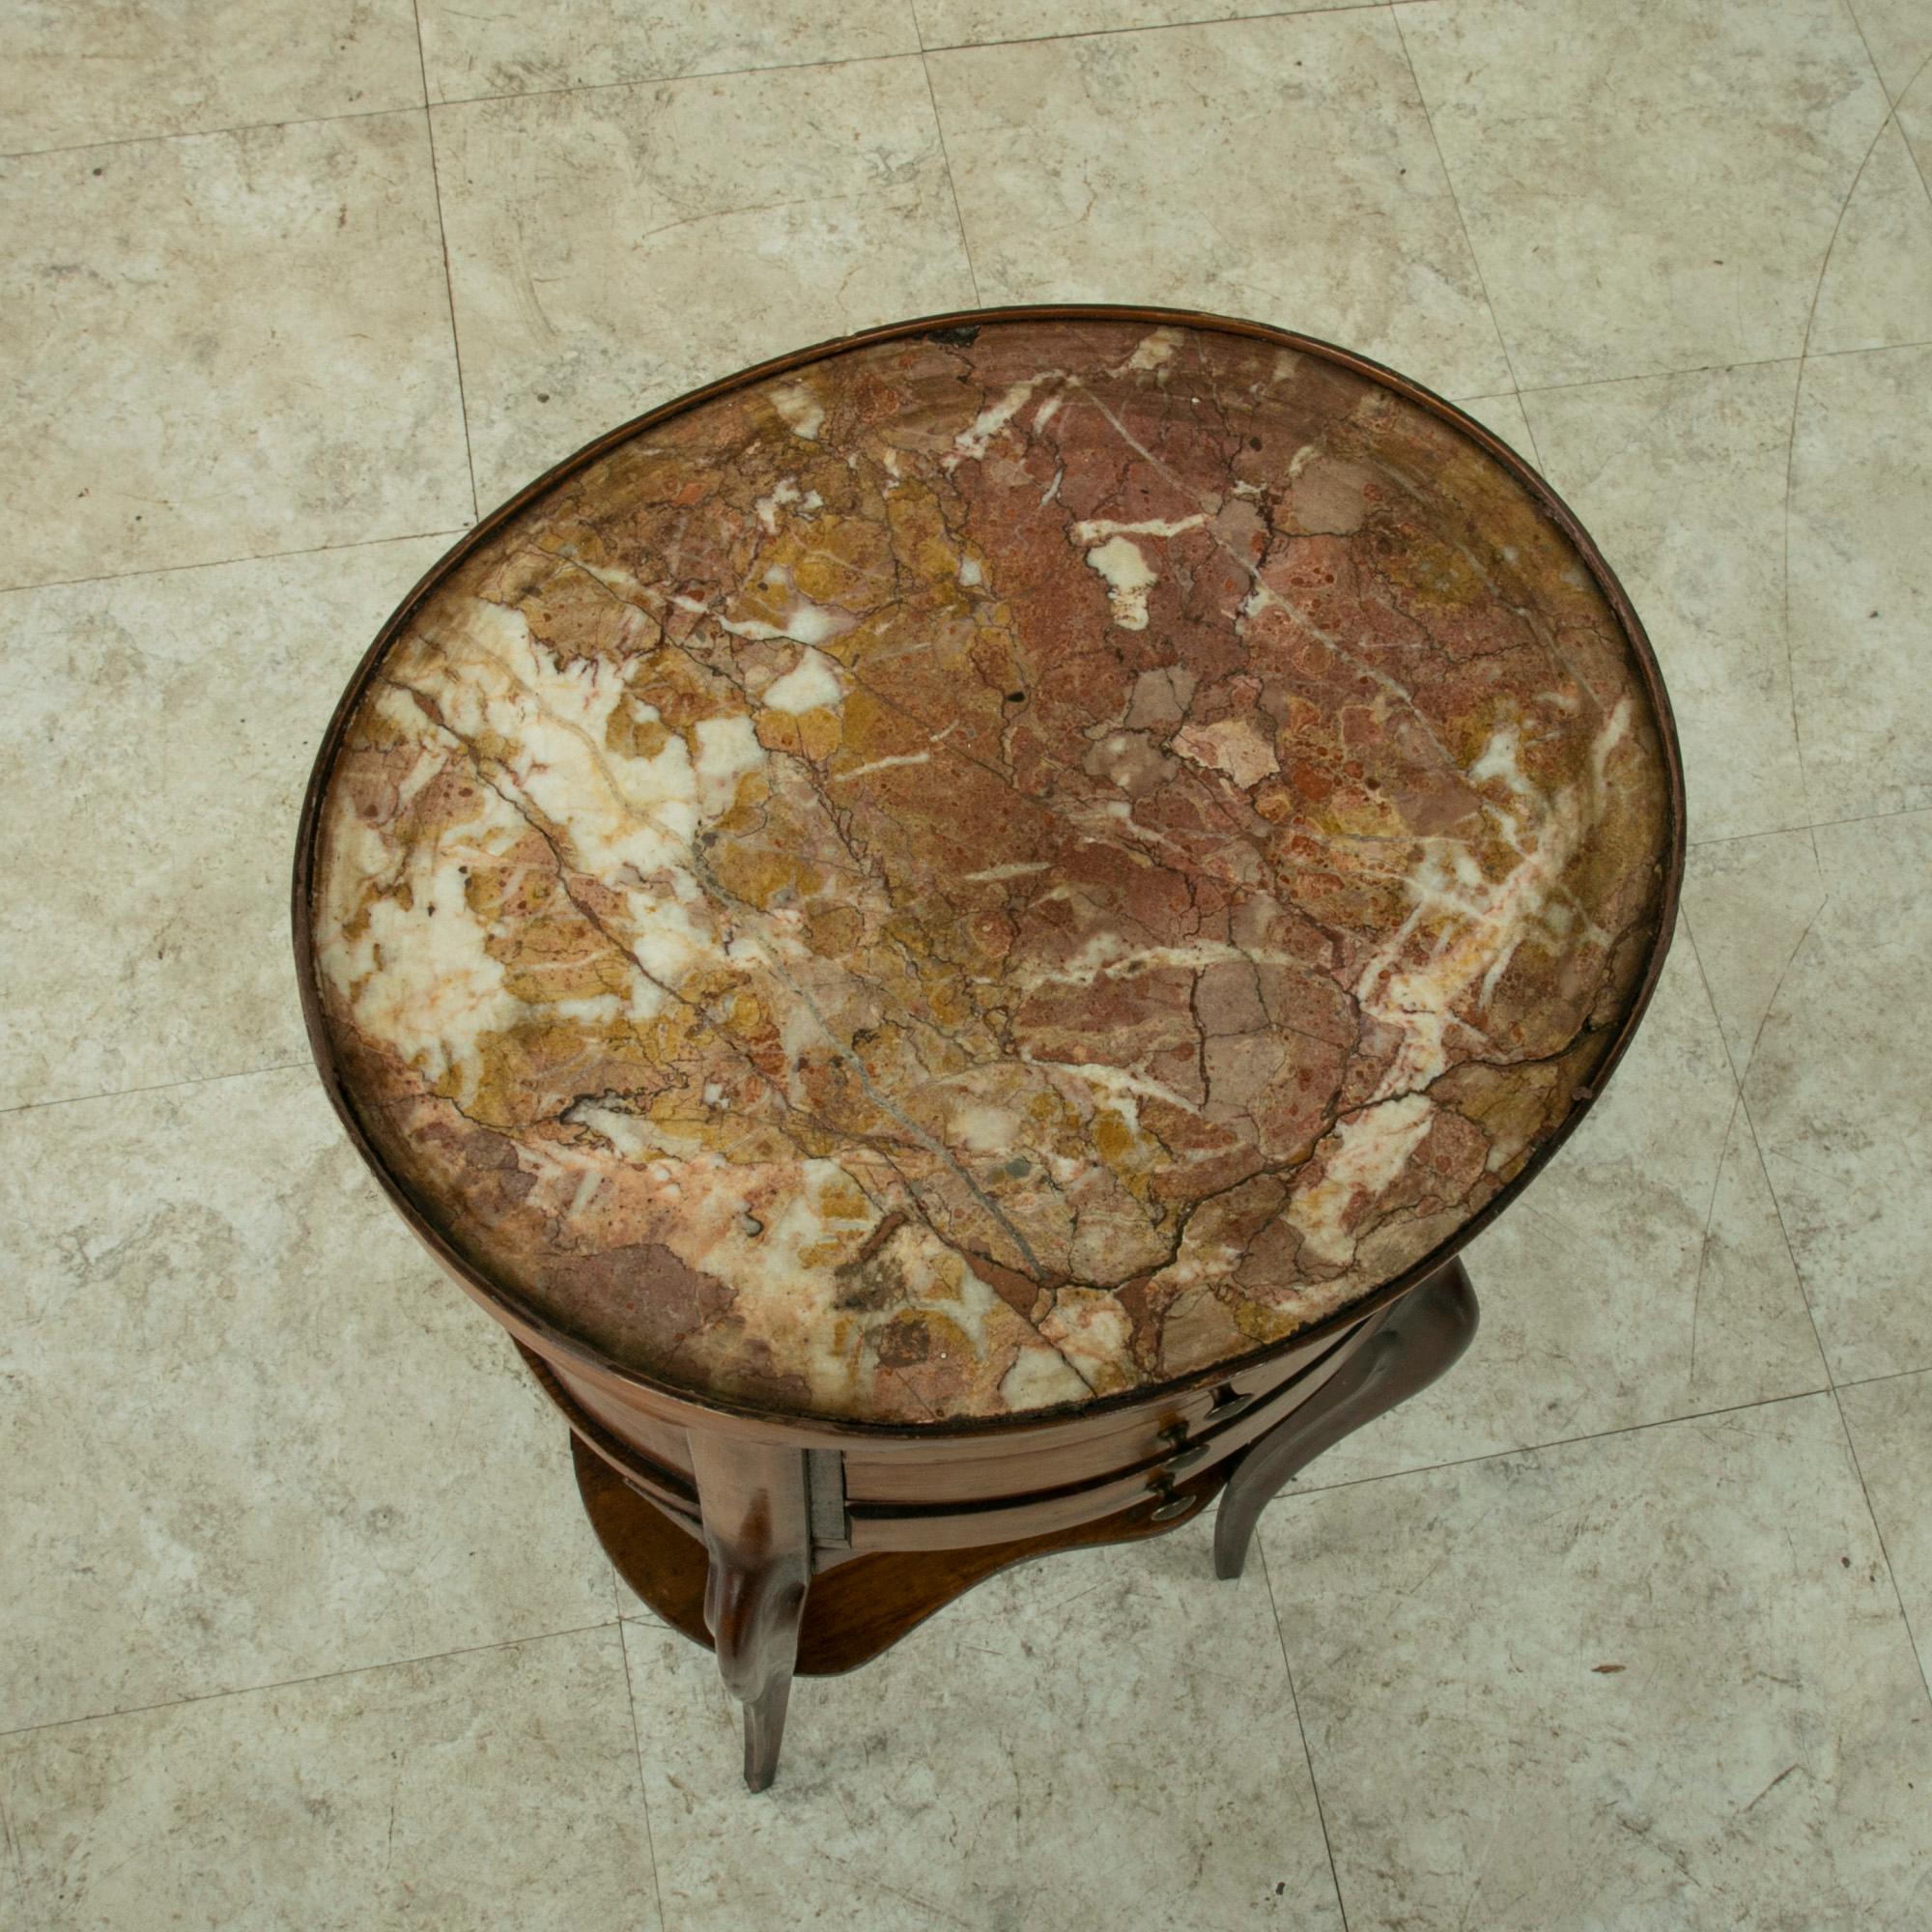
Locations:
{"points": [[998, 867]]}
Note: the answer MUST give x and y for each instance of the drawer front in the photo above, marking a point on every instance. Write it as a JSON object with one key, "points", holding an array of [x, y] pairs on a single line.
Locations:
{"points": [[959, 1493], [975, 1470], [1225, 1422]]}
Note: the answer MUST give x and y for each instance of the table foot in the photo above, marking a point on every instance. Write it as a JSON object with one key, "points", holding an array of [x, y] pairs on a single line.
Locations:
{"points": [[757, 1535], [764, 1732], [1419, 1338]]}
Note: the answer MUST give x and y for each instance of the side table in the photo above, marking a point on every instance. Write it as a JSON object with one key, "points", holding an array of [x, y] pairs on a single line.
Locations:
{"points": [[954, 932]]}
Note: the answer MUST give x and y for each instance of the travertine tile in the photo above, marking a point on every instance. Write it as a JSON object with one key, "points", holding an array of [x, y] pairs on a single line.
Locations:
{"points": [[1748, 904], [521, 46], [253, 1433], [1681, 479], [1861, 581], [1891, 1425], [183, 710], [1233, 168], [1104, 1739], [1655, 1680], [497, 1789], [1650, 188], [223, 346], [611, 248], [948, 23], [134, 67], [1838, 1085], [1641, 1275]]}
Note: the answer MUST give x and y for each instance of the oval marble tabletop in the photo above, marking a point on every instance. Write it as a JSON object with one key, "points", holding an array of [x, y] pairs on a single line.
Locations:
{"points": [[990, 866]]}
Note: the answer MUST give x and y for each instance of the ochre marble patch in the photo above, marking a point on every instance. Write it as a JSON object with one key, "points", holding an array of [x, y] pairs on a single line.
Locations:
{"points": [[991, 868]]}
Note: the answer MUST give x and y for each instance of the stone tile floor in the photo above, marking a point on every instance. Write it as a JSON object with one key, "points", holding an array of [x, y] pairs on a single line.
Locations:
{"points": [[1614, 1628]]}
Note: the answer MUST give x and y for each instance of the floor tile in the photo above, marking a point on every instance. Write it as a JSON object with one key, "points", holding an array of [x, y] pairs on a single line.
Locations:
{"points": [[1655, 1680], [160, 953], [1648, 187], [520, 47], [225, 346], [497, 1789], [1106, 1739], [1891, 1425], [951, 23], [1300, 135], [611, 248], [253, 1434], [75, 73], [1836, 1087], [1681, 479], [1643, 1275], [1861, 581]]}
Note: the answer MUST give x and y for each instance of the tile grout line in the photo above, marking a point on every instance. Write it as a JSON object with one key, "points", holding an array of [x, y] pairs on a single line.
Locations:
{"points": [[1463, 225], [459, 100], [158, 1087], [1295, 1701], [1301, 1490], [1838, 1408], [207, 133], [1777, 986], [637, 1746], [296, 1682], [1162, 26], [1740, 1104], [1889, 1376], [952, 187], [1714, 368], [670, 79], [220, 562], [1743, 1105], [1737, 838], [448, 275], [1805, 1294], [1813, 825]]}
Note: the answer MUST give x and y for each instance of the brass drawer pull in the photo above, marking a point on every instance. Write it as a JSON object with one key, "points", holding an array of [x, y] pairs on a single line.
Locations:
{"points": [[1228, 1401], [1171, 1504]]}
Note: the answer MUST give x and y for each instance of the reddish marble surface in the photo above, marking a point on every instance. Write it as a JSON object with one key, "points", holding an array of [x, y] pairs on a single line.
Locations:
{"points": [[990, 870]]}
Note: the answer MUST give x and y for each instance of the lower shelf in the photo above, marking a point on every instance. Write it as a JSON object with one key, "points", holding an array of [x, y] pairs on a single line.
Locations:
{"points": [[856, 1607]]}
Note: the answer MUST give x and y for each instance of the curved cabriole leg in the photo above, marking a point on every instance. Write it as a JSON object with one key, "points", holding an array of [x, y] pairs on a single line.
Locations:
{"points": [[1420, 1338], [757, 1533]]}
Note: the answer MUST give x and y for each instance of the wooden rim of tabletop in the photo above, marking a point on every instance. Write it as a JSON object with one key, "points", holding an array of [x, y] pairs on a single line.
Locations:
{"points": [[525, 1321]]}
